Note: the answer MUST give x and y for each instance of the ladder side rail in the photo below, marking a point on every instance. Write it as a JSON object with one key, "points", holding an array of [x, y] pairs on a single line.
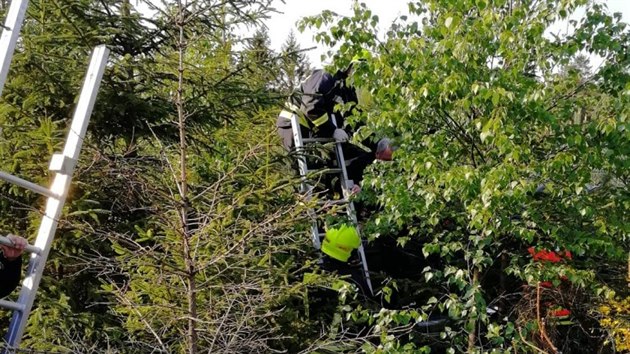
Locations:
{"points": [[341, 161], [7, 242], [361, 250], [352, 213], [10, 33], [303, 167], [60, 185], [350, 207], [299, 146], [315, 236]]}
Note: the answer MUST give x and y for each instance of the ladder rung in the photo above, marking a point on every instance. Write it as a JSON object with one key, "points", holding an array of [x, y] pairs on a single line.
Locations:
{"points": [[318, 140], [332, 202], [31, 249], [11, 305], [28, 185], [327, 171]]}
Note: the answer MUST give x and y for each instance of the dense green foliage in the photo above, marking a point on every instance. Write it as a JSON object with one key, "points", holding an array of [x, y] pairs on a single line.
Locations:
{"points": [[485, 119], [182, 232]]}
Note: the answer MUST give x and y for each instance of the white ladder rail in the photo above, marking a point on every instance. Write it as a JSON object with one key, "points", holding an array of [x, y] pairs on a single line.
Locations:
{"points": [[10, 33], [303, 167], [63, 164]]}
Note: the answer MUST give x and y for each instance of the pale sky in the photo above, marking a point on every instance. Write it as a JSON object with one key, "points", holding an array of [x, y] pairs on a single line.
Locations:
{"points": [[280, 24], [387, 10]]}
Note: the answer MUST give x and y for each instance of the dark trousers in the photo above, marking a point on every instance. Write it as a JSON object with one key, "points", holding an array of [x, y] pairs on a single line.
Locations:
{"points": [[351, 268]]}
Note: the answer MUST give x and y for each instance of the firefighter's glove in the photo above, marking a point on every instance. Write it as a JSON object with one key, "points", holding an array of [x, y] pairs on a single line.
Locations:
{"points": [[340, 135]]}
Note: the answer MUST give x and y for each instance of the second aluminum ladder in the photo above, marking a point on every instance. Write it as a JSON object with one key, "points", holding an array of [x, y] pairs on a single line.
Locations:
{"points": [[62, 165]]}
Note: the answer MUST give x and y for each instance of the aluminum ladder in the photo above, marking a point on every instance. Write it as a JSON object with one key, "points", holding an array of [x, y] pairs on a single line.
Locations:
{"points": [[346, 187], [62, 165]]}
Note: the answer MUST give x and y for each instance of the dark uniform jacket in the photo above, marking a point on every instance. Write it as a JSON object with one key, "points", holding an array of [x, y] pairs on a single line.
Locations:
{"points": [[356, 167], [10, 273], [315, 97]]}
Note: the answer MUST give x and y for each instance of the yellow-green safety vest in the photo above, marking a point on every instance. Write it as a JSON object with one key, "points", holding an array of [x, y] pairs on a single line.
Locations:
{"points": [[340, 242]]}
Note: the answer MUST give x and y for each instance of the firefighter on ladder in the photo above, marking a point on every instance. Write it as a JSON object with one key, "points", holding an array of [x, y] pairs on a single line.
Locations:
{"points": [[314, 103]]}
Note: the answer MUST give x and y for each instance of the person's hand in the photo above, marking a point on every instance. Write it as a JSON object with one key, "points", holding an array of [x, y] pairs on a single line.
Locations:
{"points": [[340, 135], [15, 251], [355, 189]]}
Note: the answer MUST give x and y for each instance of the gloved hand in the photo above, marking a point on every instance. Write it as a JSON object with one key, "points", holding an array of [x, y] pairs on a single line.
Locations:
{"points": [[13, 252], [340, 135]]}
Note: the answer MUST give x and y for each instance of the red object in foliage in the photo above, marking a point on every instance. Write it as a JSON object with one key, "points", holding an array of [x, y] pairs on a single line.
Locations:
{"points": [[546, 284], [564, 278], [561, 313], [550, 256]]}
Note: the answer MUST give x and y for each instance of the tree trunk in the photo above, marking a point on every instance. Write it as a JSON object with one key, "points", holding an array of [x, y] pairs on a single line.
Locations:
{"points": [[183, 189], [472, 335]]}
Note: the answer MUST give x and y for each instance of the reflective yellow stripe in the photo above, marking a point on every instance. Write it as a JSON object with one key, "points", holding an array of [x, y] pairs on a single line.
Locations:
{"points": [[293, 109], [321, 120]]}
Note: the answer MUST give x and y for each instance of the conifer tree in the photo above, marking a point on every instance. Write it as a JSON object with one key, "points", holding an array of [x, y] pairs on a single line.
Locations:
{"points": [[495, 175], [294, 65], [172, 239]]}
